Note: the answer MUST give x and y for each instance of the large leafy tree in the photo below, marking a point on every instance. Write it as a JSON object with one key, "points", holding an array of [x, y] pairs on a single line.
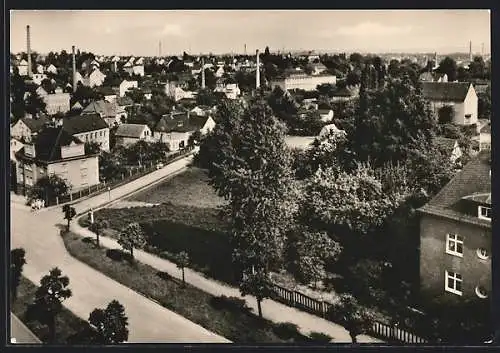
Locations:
{"points": [[48, 300], [484, 104], [132, 236], [448, 66], [49, 187], [355, 318], [110, 324], [17, 262], [97, 227], [252, 171]]}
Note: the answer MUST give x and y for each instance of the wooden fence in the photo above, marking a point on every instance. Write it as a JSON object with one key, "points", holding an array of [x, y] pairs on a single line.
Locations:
{"points": [[133, 174], [320, 308]]}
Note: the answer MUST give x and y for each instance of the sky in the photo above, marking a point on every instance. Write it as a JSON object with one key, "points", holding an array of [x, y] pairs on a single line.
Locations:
{"points": [[108, 32]]}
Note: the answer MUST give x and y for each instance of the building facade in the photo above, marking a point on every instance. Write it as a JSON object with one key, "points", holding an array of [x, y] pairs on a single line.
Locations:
{"points": [[57, 103], [303, 81]]}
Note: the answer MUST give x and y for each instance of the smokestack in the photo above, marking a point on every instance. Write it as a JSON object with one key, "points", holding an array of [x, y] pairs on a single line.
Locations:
{"points": [[482, 49], [202, 73], [28, 47], [74, 68], [470, 51], [245, 49], [257, 73]]}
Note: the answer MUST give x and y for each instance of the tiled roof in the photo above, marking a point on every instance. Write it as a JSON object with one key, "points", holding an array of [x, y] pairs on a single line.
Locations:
{"points": [[486, 129], [180, 123], [130, 130], [49, 142], [445, 91], [101, 107], [35, 125], [84, 123], [106, 90], [473, 179]]}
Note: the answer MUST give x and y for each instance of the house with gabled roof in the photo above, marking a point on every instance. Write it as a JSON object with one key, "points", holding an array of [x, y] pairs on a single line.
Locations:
{"points": [[459, 95], [22, 66], [112, 113], [24, 129], [129, 134], [88, 128], [455, 236], [51, 69], [56, 152]]}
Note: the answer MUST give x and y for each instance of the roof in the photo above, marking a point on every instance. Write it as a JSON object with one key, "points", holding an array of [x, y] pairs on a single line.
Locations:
{"points": [[124, 101], [180, 123], [474, 179], [486, 129], [101, 107], [130, 130], [35, 125], [84, 123], [49, 142], [445, 91], [106, 90], [426, 76]]}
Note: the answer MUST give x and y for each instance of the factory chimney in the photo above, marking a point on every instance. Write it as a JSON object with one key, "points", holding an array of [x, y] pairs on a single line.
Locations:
{"points": [[28, 47], [257, 72], [74, 68], [470, 51], [245, 49], [202, 73]]}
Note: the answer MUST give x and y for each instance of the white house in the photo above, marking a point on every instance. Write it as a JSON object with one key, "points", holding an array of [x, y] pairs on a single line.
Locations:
{"points": [[176, 129], [459, 95], [126, 85], [51, 69], [138, 67], [38, 78], [15, 145], [95, 79], [128, 134], [303, 81], [23, 68], [24, 129], [88, 128], [326, 115]]}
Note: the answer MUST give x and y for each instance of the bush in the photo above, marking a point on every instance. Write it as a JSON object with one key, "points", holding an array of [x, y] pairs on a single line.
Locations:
{"points": [[286, 330], [234, 304], [319, 337]]}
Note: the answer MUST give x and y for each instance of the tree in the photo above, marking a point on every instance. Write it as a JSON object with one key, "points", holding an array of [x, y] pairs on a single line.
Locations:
{"points": [[477, 68], [97, 227], [252, 170], [446, 114], [48, 187], [110, 323], [308, 253], [182, 262], [136, 95], [69, 213], [17, 261], [195, 138], [206, 97], [448, 66], [85, 95], [356, 58], [348, 313], [484, 104], [48, 300], [92, 147], [132, 236]]}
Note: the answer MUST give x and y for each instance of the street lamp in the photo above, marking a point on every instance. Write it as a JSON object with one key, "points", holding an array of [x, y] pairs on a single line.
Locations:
{"points": [[109, 193]]}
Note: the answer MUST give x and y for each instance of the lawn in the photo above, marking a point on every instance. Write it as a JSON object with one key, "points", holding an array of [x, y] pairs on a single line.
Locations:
{"points": [[226, 317], [67, 323], [189, 188]]}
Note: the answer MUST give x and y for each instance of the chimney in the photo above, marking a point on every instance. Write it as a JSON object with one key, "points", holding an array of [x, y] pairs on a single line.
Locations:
{"points": [[470, 51], [74, 68], [245, 50], [257, 72], [202, 73], [28, 48]]}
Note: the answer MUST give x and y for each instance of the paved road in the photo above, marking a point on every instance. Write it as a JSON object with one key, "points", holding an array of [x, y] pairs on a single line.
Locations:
{"points": [[20, 334], [38, 234]]}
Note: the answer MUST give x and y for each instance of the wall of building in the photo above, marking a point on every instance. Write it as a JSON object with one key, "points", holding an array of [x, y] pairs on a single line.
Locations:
{"points": [[471, 106], [304, 82], [434, 260], [100, 136], [20, 130], [80, 173], [126, 85], [174, 140], [484, 141], [57, 103]]}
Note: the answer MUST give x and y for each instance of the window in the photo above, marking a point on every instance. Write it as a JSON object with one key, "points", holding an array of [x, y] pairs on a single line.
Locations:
{"points": [[482, 254], [100, 133], [29, 181], [484, 213], [467, 116], [481, 292], [453, 283], [455, 245]]}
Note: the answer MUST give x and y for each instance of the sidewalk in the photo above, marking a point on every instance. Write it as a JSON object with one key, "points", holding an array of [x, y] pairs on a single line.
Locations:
{"points": [[271, 309]]}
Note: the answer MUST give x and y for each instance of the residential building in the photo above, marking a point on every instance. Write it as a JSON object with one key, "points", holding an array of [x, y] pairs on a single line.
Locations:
{"points": [[455, 235], [175, 129], [57, 102], [433, 77], [326, 115], [485, 138], [303, 81], [24, 129], [39, 69], [459, 95], [15, 145], [37, 78], [175, 92], [110, 94], [450, 147], [138, 67], [56, 152], [51, 69], [126, 85], [129, 68], [22, 66], [128, 134], [88, 128], [95, 78], [112, 113], [230, 89], [201, 110]]}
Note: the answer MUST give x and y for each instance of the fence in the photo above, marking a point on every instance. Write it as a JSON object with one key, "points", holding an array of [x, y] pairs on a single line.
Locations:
{"points": [[321, 308], [133, 174]]}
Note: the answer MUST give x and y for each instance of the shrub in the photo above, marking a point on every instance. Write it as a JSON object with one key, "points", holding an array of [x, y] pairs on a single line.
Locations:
{"points": [[445, 114], [319, 337], [286, 330], [229, 303]]}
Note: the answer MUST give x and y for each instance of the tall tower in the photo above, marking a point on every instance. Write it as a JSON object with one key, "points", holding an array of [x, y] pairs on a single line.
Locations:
{"points": [[28, 49], [470, 51], [257, 72], [245, 49], [74, 68], [202, 73]]}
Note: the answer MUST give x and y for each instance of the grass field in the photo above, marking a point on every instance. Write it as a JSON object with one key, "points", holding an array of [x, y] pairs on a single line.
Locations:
{"points": [[228, 318], [189, 188], [67, 323]]}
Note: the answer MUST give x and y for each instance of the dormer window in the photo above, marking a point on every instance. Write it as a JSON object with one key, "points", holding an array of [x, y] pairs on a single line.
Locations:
{"points": [[484, 213]]}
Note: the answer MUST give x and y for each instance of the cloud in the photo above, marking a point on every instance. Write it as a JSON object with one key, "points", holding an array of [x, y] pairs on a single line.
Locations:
{"points": [[373, 29], [172, 30]]}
